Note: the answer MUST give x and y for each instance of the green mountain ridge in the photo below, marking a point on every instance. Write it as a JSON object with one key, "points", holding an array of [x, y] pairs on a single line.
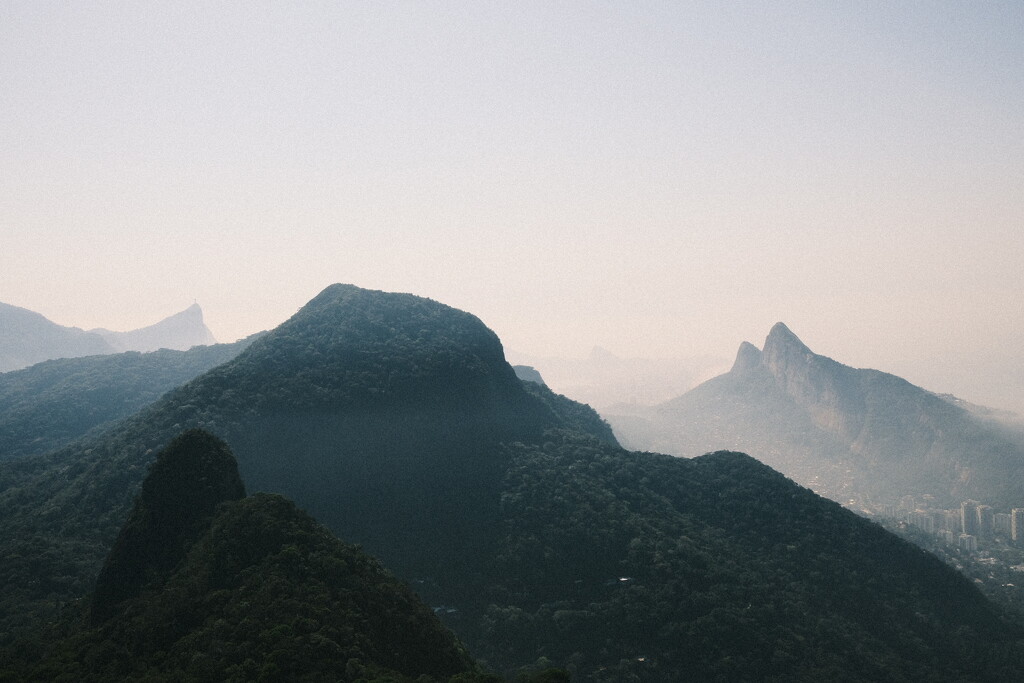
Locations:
{"points": [[46, 406], [396, 422]]}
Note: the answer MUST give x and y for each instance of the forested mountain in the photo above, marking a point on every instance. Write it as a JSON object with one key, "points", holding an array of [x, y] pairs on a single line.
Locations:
{"points": [[180, 331], [396, 421], [27, 337], [851, 434], [204, 584], [47, 405]]}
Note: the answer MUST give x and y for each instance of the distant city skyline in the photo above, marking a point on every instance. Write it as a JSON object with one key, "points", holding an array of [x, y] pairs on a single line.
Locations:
{"points": [[658, 179]]}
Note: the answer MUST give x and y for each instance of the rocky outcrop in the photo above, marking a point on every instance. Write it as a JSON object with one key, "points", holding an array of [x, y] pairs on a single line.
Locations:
{"points": [[190, 478]]}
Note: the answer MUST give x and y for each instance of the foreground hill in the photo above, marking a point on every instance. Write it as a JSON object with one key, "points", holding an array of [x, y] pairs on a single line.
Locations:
{"points": [[205, 584], [46, 406], [851, 434], [27, 338], [396, 421]]}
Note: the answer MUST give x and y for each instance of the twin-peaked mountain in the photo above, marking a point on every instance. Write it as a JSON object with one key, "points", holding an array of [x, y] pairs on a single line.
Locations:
{"points": [[397, 422], [26, 337], [851, 434]]}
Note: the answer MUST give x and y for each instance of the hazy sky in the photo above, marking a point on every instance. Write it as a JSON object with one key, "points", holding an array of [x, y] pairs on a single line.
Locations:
{"points": [[658, 178]]}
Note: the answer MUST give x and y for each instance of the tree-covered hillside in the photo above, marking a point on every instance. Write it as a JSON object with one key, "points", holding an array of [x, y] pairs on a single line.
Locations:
{"points": [[46, 406], [206, 585], [634, 566]]}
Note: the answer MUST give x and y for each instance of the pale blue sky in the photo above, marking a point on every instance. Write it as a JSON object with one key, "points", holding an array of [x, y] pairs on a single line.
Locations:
{"points": [[660, 179]]}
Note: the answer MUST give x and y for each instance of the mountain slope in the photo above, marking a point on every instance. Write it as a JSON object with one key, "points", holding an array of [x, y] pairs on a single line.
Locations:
{"points": [[27, 337], [47, 405], [849, 433], [715, 568], [381, 414], [204, 584]]}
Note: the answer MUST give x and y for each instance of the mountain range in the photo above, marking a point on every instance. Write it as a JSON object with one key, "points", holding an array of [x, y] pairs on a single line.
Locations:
{"points": [[854, 435], [512, 511], [27, 337]]}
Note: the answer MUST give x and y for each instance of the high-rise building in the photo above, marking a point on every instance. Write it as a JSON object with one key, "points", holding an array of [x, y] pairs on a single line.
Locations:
{"points": [[986, 519], [1001, 521], [969, 517], [968, 543], [1017, 525]]}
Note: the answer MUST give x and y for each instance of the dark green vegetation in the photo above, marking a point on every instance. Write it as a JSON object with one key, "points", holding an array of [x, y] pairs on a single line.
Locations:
{"points": [[850, 434], [204, 585], [396, 422], [46, 406]]}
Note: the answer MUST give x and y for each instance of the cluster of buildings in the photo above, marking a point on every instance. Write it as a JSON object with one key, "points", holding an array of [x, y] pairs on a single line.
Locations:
{"points": [[959, 527]]}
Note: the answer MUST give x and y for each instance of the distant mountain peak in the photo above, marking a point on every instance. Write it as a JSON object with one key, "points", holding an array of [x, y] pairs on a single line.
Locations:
{"points": [[783, 350], [782, 336], [180, 331], [747, 358]]}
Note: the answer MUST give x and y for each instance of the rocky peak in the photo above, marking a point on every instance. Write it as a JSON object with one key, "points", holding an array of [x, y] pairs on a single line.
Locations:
{"points": [[189, 479], [747, 358], [784, 352]]}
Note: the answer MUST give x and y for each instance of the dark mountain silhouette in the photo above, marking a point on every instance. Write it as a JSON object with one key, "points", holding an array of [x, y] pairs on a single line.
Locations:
{"points": [[849, 433], [47, 405], [190, 477], [180, 331], [205, 584], [27, 338], [397, 422]]}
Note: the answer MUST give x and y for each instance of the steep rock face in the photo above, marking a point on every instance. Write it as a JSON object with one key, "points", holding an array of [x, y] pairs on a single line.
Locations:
{"points": [[180, 331], [748, 359], [190, 477], [825, 387]]}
